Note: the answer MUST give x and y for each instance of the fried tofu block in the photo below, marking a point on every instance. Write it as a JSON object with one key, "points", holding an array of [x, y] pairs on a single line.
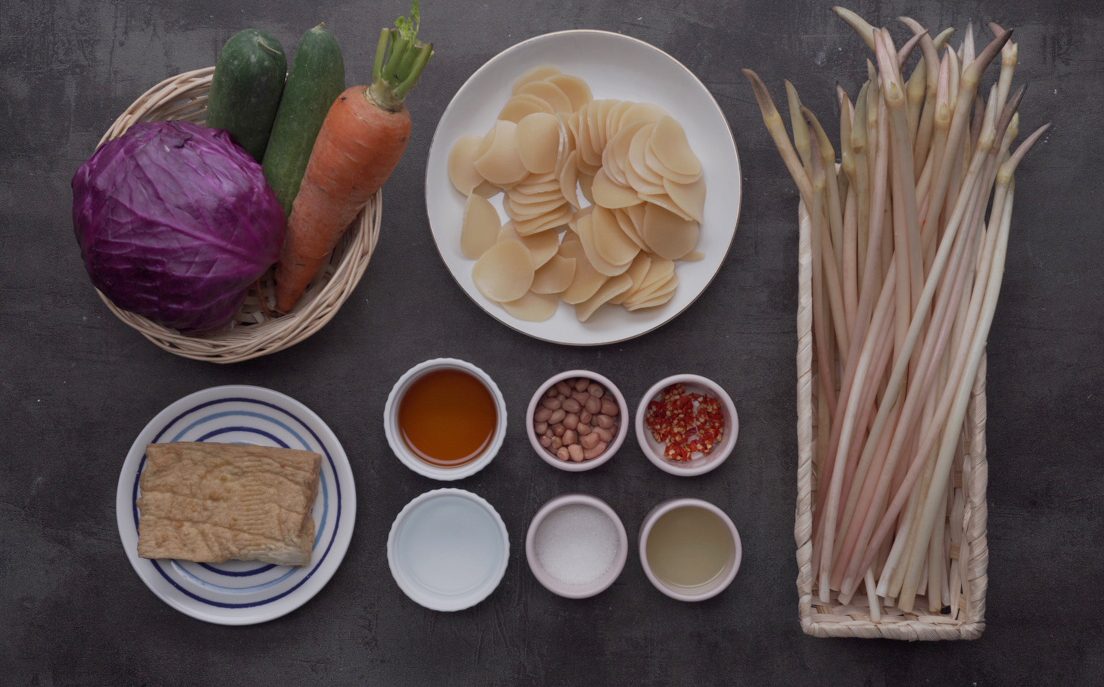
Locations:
{"points": [[211, 503]]}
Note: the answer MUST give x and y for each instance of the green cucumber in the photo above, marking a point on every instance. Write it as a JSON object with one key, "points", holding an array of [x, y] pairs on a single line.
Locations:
{"points": [[246, 88], [317, 77]]}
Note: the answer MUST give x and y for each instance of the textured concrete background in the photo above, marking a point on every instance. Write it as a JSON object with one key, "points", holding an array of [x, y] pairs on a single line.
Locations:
{"points": [[76, 385]]}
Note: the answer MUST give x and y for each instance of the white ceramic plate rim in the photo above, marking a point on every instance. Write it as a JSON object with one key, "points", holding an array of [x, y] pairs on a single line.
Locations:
{"points": [[124, 501], [437, 182], [417, 593]]}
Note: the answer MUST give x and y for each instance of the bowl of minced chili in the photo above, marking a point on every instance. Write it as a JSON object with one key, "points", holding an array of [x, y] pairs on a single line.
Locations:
{"points": [[687, 425]]}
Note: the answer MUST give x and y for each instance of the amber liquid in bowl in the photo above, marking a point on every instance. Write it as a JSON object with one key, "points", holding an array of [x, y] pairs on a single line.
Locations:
{"points": [[447, 417]]}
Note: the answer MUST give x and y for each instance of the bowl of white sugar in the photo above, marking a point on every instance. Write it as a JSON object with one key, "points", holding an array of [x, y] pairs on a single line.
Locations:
{"points": [[576, 546]]}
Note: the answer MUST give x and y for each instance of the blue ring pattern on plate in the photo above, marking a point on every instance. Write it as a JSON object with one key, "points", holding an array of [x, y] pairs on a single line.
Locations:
{"points": [[337, 517]]}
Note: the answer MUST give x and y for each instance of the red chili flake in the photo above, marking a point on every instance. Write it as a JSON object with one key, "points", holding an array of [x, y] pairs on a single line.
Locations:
{"points": [[687, 423]]}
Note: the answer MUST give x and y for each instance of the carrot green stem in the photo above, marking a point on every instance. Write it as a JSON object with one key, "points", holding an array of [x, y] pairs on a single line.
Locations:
{"points": [[398, 49], [381, 54], [400, 60], [414, 71]]}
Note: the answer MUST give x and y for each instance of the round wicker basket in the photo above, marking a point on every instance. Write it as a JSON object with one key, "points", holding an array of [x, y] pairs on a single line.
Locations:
{"points": [[256, 331]]}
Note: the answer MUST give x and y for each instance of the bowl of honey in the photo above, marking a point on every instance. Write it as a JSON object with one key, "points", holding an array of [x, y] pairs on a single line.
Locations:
{"points": [[445, 419]]}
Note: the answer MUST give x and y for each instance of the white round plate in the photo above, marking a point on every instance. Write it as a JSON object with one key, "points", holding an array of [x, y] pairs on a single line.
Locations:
{"points": [[615, 66], [243, 592]]}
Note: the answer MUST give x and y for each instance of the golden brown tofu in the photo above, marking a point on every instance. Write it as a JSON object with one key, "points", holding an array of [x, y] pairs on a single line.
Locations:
{"points": [[211, 503]]}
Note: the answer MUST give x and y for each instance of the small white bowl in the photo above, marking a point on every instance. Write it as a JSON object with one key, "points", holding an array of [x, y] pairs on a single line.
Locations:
{"points": [[703, 592], [698, 465], [394, 434], [448, 549], [618, 439], [567, 589]]}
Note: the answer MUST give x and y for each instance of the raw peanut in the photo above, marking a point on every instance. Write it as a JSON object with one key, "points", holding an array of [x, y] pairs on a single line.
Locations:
{"points": [[545, 442], [558, 430], [562, 453], [603, 434], [551, 393], [590, 440], [576, 452], [596, 451], [610, 408], [584, 417], [570, 437], [551, 403], [562, 388], [581, 384], [572, 406], [540, 427], [571, 421], [556, 444], [593, 405], [580, 396], [557, 416], [542, 414], [582, 430], [596, 391], [604, 421]]}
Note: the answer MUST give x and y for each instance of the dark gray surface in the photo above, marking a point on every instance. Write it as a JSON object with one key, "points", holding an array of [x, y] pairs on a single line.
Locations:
{"points": [[76, 385]]}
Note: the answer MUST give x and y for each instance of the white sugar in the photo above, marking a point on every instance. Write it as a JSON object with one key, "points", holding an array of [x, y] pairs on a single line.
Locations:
{"points": [[577, 544]]}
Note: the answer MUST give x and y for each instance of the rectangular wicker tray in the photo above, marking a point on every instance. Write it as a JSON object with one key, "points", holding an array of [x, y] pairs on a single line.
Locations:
{"points": [[835, 620]]}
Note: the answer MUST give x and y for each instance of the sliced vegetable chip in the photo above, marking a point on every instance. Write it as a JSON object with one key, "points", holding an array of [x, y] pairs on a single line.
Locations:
{"points": [[612, 288], [586, 183], [461, 164], [524, 212], [505, 272], [690, 198], [554, 276], [520, 106], [586, 280], [668, 235], [501, 164], [652, 161], [533, 307], [569, 180], [551, 220], [624, 220], [538, 73], [542, 247], [610, 241], [637, 271], [549, 93], [584, 228], [669, 144], [480, 228], [576, 90], [538, 142], [664, 201], [610, 194]]}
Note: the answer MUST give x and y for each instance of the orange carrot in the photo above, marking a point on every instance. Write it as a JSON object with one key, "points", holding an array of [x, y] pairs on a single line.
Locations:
{"points": [[361, 141]]}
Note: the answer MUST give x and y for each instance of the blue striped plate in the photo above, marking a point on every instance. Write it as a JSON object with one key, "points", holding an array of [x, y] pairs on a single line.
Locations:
{"points": [[242, 592]]}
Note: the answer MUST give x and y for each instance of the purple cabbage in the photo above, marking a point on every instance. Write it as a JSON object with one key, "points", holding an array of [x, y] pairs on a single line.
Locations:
{"points": [[175, 222]]}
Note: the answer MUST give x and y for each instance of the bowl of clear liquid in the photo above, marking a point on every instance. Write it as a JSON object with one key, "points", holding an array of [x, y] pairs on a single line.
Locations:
{"points": [[689, 548]]}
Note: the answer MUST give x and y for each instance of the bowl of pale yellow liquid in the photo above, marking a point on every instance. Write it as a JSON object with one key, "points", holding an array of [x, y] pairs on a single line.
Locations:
{"points": [[690, 549]]}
